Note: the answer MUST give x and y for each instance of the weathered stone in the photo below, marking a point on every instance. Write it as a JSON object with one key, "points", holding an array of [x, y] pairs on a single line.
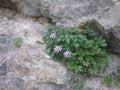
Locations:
{"points": [[4, 39], [74, 9], [65, 9], [27, 67], [92, 24], [30, 7], [2, 67], [114, 39], [110, 18], [27, 7], [4, 43], [51, 86]]}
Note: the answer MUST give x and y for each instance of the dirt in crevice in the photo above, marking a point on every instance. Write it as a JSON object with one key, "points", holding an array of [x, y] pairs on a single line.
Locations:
{"points": [[7, 4]]}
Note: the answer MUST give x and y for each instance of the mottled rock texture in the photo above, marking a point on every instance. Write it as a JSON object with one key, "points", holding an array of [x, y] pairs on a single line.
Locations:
{"points": [[105, 12], [61, 9], [27, 67]]}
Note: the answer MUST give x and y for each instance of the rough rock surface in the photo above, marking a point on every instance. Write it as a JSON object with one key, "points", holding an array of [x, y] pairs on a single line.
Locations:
{"points": [[27, 67], [70, 10], [28, 7], [114, 39], [106, 13], [65, 9]]}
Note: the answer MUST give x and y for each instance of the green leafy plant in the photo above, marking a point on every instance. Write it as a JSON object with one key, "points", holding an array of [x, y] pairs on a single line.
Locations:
{"points": [[107, 80], [17, 41], [112, 79], [80, 50]]}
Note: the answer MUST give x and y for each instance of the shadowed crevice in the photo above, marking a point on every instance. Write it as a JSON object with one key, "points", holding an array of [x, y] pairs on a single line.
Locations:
{"points": [[7, 4]]}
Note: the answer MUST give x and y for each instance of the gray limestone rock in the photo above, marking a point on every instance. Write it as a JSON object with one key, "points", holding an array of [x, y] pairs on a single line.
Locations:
{"points": [[27, 67]]}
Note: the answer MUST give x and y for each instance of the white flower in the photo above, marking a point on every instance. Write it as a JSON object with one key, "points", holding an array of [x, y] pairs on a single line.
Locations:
{"points": [[57, 48], [67, 53], [53, 35]]}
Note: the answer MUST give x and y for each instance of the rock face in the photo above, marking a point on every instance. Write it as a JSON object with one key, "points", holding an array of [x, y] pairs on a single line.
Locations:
{"points": [[27, 7], [30, 7], [30, 68], [114, 38], [27, 67], [106, 13], [65, 9]]}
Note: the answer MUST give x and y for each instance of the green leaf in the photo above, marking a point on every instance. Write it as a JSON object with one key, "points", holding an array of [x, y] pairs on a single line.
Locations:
{"points": [[68, 41], [52, 54], [76, 45], [88, 44]]}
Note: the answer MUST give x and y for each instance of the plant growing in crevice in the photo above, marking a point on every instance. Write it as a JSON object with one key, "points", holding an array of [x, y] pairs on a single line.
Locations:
{"points": [[18, 41], [80, 50], [107, 80], [112, 79]]}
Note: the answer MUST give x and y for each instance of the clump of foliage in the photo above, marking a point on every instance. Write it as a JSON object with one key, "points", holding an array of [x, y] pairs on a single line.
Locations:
{"points": [[112, 79], [80, 50], [17, 41], [107, 80]]}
